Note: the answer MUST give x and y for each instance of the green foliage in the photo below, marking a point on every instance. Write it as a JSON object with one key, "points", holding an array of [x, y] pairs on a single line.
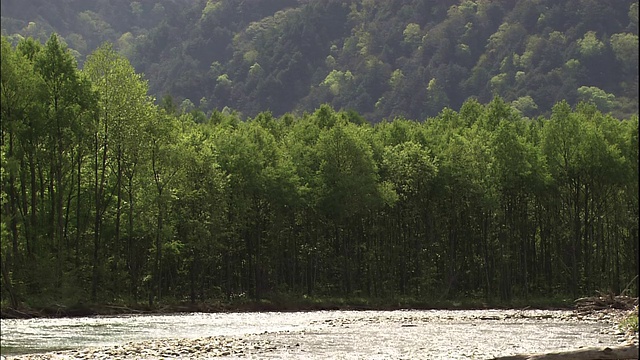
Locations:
{"points": [[600, 98], [525, 105], [633, 14], [590, 45], [625, 46], [397, 78], [210, 8], [337, 80], [630, 323], [106, 195], [224, 81], [412, 34]]}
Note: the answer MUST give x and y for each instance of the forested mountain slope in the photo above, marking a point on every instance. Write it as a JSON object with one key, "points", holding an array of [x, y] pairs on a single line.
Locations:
{"points": [[381, 58]]}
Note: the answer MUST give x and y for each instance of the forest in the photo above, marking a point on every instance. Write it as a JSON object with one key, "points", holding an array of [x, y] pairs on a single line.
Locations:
{"points": [[382, 59], [111, 196]]}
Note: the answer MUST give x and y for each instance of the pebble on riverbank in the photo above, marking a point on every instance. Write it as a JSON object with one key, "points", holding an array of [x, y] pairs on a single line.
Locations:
{"points": [[202, 348]]}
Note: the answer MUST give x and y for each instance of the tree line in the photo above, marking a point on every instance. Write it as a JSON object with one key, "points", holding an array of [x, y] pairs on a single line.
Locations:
{"points": [[108, 196]]}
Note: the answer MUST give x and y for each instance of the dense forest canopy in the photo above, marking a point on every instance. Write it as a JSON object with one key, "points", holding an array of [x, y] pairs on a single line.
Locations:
{"points": [[107, 196], [382, 59]]}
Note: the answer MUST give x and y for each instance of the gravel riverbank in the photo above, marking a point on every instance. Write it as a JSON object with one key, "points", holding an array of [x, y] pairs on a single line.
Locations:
{"points": [[202, 348], [398, 335]]}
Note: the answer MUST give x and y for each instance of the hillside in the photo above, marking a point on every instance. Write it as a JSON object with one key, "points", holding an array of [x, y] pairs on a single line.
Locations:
{"points": [[382, 59]]}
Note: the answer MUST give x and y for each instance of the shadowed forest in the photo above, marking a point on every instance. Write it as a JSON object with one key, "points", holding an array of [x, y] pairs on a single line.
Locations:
{"points": [[108, 196]]}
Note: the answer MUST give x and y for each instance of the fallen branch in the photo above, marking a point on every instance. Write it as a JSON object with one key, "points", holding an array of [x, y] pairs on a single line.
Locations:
{"points": [[12, 313], [615, 352], [593, 303]]}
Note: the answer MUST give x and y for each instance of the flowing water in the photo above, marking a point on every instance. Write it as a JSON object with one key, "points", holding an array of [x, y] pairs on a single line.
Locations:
{"points": [[404, 334]]}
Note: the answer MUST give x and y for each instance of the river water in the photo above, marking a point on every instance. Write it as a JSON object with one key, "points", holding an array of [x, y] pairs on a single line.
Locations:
{"points": [[403, 334]]}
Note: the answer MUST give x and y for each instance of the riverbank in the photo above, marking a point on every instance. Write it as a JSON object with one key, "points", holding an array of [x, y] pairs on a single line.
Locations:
{"points": [[201, 348], [477, 334], [281, 304]]}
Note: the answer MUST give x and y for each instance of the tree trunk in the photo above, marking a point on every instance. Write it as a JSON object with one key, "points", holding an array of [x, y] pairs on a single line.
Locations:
{"points": [[78, 215], [158, 260], [34, 216], [7, 284], [116, 245], [13, 220], [100, 175], [132, 263]]}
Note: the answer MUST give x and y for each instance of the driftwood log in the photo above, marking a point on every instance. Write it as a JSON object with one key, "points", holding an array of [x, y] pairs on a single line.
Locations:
{"points": [[613, 352], [604, 302]]}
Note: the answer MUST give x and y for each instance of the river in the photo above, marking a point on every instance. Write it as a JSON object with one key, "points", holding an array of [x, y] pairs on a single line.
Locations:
{"points": [[403, 334]]}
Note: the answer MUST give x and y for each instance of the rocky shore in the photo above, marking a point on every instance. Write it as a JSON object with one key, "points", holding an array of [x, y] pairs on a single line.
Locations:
{"points": [[613, 317], [202, 348], [274, 345]]}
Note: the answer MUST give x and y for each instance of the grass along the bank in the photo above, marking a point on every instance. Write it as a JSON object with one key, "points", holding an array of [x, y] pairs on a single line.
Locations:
{"points": [[630, 323]]}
